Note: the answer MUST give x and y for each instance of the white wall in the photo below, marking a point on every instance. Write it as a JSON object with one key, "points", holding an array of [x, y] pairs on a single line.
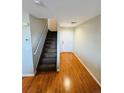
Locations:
{"points": [[27, 60], [39, 29], [87, 45], [58, 48], [66, 39], [34, 32]]}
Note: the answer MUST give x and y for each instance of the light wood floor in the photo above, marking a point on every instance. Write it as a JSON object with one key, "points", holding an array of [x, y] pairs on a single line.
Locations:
{"points": [[72, 78]]}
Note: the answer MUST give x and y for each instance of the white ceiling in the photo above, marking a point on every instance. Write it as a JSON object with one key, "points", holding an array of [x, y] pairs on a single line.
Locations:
{"points": [[65, 11], [39, 11]]}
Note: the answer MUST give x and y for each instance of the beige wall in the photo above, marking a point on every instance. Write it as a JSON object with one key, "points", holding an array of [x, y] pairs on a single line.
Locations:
{"points": [[87, 45], [52, 24]]}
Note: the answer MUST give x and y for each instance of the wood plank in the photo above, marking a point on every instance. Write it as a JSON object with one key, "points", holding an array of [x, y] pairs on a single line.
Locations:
{"points": [[72, 78]]}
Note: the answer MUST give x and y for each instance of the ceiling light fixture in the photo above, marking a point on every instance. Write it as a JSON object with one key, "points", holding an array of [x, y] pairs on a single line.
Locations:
{"points": [[37, 1]]}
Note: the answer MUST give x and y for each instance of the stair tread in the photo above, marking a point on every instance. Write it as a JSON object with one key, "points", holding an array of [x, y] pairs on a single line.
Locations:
{"points": [[48, 60], [47, 65], [47, 68], [55, 35], [50, 41], [48, 54], [52, 32], [50, 46], [53, 38], [50, 50]]}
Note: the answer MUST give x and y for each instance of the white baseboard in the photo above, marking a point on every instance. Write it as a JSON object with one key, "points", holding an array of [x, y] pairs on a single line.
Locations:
{"points": [[58, 69], [87, 69], [28, 75]]}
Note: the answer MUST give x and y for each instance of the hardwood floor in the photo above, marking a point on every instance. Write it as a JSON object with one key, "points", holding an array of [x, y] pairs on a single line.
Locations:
{"points": [[72, 78]]}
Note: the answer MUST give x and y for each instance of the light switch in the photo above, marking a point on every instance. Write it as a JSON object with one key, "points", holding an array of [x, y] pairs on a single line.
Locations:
{"points": [[27, 39], [25, 24]]}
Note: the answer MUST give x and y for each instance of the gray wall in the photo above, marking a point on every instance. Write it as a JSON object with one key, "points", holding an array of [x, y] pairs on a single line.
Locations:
{"points": [[39, 29], [87, 45]]}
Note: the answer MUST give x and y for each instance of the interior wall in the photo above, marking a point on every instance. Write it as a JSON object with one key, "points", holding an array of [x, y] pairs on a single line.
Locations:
{"points": [[34, 32], [39, 29], [37, 26], [87, 45], [52, 24], [27, 60], [66, 39], [58, 48]]}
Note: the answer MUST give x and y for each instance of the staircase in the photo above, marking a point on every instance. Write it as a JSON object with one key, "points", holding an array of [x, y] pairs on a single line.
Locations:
{"points": [[48, 57]]}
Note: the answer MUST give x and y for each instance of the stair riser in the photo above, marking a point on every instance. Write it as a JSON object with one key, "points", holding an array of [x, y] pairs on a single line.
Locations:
{"points": [[54, 43], [52, 36], [50, 41], [44, 68], [45, 62], [51, 59], [50, 46], [52, 33]]}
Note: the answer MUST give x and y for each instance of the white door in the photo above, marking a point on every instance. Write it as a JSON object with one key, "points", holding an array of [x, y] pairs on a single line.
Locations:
{"points": [[66, 40]]}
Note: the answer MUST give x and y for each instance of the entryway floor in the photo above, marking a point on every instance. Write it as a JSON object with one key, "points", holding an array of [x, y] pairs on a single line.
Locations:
{"points": [[72, 78]]}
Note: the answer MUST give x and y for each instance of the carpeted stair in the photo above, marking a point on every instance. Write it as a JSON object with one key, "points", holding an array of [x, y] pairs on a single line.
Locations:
{"points": [[48, 57]]}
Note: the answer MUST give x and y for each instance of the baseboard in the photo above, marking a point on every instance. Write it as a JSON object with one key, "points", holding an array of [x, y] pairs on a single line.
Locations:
{"points": [[28, 75], [35, 71], [58, 69], [87, 69], [66, 52]]}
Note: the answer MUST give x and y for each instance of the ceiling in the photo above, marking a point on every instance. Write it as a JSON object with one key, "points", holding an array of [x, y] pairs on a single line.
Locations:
{"points": [[65, 11]]}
